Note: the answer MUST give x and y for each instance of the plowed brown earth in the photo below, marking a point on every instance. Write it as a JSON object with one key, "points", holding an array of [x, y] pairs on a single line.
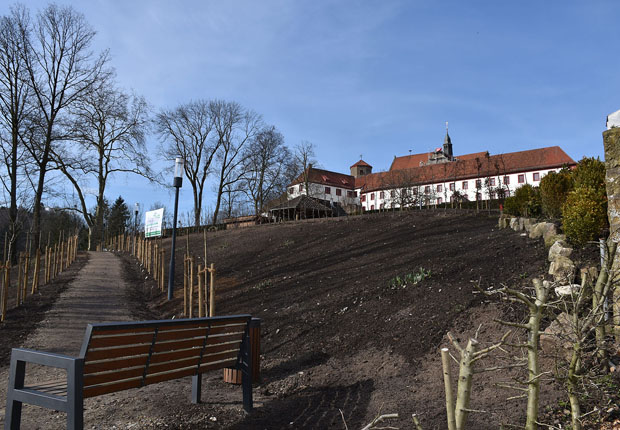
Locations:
{"points": [[338, 336], [340, 342]]}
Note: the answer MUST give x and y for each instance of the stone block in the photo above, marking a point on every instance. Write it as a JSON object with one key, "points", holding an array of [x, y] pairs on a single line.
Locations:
{"points": [[562, 269], [559, 248]]}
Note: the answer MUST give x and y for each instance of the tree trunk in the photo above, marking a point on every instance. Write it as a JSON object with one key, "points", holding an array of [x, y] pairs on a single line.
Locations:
{"points": [[466, 374]]}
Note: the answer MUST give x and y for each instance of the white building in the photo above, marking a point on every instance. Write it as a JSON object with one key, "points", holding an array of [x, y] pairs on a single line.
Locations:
{"points": [[435, 178]]}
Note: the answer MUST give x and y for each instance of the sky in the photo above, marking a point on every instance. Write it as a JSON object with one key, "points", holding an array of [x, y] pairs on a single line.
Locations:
{"points": [[372, 79]]}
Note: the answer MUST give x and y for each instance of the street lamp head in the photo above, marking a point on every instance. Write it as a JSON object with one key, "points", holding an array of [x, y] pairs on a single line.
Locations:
{"points": [[136, 208], [178, 172]]}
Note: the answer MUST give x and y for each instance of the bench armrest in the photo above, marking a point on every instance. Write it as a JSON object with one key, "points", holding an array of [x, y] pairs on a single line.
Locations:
{"points": [[43, 358]]}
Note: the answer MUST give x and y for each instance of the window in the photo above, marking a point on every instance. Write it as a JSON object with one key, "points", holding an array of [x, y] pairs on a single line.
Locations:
{"points": [[328, 190], [363, 198], [301, 187], [492, 182], [439, 200], [291, 190], [350, 194], [506, 180], [372, 207], [382, 206], [478, 183], [536, 176], [381, 195], [372, 196], [521, 179], [452, 186], [427, 189], [464, 185], [392, 194], [338, 192], [439, 188], [415, 191], [492, 195]]}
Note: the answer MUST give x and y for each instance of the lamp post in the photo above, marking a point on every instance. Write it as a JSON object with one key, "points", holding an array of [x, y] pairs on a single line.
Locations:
{"points": [[177, 183], [135, 229]]}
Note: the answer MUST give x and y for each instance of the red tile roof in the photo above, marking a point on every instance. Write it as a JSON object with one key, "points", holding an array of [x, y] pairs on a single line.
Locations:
{"points": [[467, 168], [361, 163], [326, 177], [414, 160]]}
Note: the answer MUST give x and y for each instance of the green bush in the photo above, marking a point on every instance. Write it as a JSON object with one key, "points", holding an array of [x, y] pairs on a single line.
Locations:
{"points": [[584, 215], [525, 202], [554, 189], [590, 172], [511, 206]]}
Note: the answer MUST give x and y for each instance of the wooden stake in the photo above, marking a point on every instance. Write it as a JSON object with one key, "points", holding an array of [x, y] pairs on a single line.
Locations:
{"points": [[212, 291], [5, 288], [204, 235], [185, 286], [37, 265], [200, 297], [20, 272], [162, 281], [191, 287]]}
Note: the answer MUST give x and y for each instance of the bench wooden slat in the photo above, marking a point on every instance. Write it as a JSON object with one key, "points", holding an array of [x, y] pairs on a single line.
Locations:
{"points": [[118, 375], [132, 339], [227, 355], [161, 357], [103, 331], [122, 363], [103, 354], [97, 390], [172, 365]]}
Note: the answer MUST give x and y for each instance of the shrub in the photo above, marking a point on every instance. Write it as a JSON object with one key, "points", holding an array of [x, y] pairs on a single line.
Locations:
{"points": [[554, 189], [590, 172], [584, 215], [525, 202], [511, 207]]}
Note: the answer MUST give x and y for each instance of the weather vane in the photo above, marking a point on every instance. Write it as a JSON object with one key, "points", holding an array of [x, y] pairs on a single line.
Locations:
{"points": [[446, 125]]}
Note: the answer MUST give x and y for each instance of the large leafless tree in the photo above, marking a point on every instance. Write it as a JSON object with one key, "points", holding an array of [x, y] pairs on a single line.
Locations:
{"points": [[186, 131], [14, 112], [265, 165], [234, 127], [61, 70], [107, 133]]}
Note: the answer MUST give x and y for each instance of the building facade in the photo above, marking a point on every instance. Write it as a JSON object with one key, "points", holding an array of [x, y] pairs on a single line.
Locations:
{"points": [[431, 178]]}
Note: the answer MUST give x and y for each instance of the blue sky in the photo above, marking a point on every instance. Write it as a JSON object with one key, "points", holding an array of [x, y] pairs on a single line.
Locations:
{"points": [[377, 78]]}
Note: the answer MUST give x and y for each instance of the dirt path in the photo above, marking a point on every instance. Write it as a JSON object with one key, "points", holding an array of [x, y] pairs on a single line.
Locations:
{"points": [[99, 294], [96, 295]]}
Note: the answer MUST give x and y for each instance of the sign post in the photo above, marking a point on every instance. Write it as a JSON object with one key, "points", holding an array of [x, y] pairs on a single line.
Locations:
{"points": [[152, 223]]}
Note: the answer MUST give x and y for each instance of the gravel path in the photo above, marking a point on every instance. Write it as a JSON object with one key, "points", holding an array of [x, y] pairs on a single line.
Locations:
{"points": [[98, 294]]}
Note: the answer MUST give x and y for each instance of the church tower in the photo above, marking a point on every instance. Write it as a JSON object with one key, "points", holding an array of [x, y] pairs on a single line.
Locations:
{"points": [[447, 145]]}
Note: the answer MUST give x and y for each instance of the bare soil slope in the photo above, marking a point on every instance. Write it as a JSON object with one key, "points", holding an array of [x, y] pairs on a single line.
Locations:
{"points": [[338, 335]]}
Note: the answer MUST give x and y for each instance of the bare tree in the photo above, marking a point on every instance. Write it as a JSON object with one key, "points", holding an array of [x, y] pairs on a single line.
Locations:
{"points": [[109, 128], [265, 162], [186, 131], [304, 158], [234, 126], [14, 111], [61, 69]]}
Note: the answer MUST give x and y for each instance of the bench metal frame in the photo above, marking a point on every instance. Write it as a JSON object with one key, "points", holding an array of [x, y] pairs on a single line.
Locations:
{"points": [[73, 402]]}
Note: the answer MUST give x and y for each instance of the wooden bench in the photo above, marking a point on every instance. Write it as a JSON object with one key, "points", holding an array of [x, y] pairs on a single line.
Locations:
{"points": [[119, 356]]}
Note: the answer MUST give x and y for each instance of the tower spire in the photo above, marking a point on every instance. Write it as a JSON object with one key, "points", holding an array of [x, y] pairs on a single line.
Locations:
{"points": [[447, 144]]}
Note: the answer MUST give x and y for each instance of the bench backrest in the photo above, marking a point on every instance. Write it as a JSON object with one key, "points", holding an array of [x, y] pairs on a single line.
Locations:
{"points": [[119, 356]]}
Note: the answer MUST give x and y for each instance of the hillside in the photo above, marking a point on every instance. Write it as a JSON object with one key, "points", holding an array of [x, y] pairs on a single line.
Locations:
{"points": [[338, 334]]}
